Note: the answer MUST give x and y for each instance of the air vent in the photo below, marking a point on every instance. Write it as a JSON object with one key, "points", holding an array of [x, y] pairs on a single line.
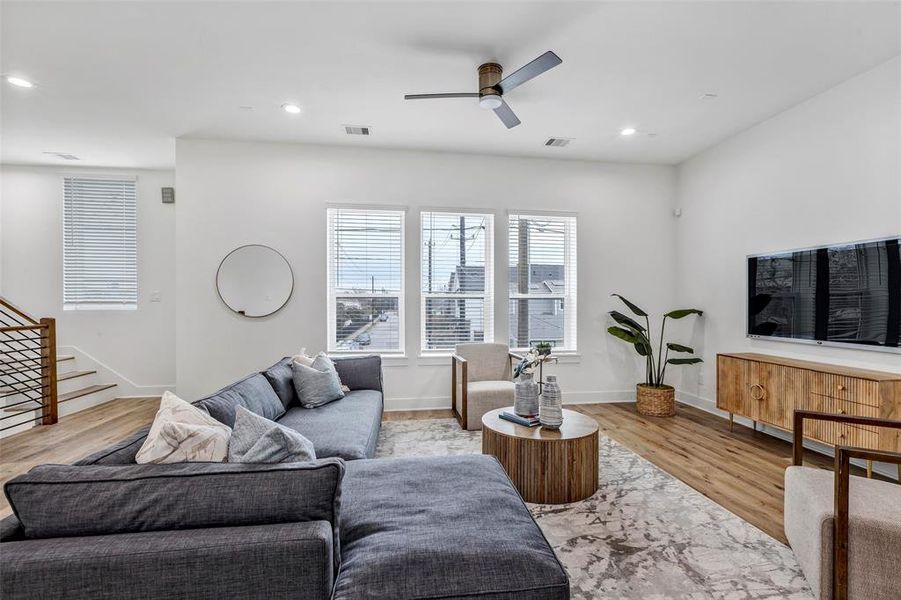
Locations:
{"points": [[557, 142], [357, 129], [62, 155]]}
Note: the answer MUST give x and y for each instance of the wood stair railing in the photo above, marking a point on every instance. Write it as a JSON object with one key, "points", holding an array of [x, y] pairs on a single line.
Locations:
{"points": [[28, 376]]}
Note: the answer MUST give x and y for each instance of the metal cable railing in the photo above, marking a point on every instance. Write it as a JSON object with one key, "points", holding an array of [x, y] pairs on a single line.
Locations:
{"points": [[28, 380]]}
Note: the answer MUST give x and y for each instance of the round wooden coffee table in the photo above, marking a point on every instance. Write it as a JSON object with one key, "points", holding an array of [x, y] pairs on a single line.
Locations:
{"points": [[547, 466]]}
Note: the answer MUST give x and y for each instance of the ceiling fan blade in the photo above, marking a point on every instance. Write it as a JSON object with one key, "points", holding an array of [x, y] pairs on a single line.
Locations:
{"points": [[429, 96], [543, 63], [506, 114]]}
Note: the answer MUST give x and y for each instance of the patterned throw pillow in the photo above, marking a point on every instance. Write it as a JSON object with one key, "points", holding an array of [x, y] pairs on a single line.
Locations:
{"points": [[183, 433], [318, 384], [256, 439]]}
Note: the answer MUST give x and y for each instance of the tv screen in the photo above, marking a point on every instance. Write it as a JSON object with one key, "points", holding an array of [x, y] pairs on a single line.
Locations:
{"points": [[840, 294]]}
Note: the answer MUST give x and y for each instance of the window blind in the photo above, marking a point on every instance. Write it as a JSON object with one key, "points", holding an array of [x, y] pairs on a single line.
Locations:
{"points": [[457, 279], [100, 268], [543, 281], [366, 279]]}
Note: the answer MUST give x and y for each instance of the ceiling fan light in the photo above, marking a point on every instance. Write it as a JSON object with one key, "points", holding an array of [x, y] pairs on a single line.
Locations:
{"points": [[490, 101]]}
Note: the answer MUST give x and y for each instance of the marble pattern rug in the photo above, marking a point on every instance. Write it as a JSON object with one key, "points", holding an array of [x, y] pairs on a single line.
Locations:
{"points": [[644, 534]]}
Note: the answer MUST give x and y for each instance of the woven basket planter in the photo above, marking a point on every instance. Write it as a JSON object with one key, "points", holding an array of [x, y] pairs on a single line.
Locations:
{"points": [[655, 401]]}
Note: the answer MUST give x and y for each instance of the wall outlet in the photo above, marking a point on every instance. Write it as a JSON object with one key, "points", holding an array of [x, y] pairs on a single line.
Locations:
{"points": [[156, 296]]}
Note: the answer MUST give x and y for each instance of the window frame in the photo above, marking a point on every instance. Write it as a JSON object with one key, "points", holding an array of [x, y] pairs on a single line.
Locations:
{"points": [[99, 304], [569, 296], [332, 295], [486, 296]]}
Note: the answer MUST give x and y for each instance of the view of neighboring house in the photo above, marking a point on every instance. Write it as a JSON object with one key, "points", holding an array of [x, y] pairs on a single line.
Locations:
{"points": [[454, 317]]}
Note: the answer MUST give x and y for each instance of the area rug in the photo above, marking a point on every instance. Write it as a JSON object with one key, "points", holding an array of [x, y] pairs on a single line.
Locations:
{"points": [[644, 534]]}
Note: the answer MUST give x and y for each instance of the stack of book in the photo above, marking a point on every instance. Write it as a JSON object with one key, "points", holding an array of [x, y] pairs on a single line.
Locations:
{"points": [[527, 421]]}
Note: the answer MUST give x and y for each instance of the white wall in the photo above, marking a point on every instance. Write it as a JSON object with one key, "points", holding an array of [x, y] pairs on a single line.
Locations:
{"points": [[137, 344], [232, 193], [825, 171]]}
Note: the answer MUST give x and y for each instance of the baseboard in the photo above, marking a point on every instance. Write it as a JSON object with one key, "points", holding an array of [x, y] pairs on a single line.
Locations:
{"points": [[433, 403], [439, 402], [709, 406], [125, 387]]}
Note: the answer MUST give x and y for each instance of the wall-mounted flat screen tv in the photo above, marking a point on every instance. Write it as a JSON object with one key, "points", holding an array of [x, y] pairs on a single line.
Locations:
{"points": [[844, 294]]}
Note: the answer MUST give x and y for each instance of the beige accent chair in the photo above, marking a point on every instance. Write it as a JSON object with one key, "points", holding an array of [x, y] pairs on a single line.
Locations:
{"points": [[845, 530], [481, 381]]}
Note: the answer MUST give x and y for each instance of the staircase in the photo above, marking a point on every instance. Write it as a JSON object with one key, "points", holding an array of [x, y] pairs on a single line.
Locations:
{"points": [[36, 384]]}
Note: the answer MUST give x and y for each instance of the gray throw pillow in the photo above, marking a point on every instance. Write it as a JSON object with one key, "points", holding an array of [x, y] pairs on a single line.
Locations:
{"points": [[317, 385], [256, 439]]}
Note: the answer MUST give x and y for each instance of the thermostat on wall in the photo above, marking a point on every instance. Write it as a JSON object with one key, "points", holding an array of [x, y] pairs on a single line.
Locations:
{"points": [[168, 195]]}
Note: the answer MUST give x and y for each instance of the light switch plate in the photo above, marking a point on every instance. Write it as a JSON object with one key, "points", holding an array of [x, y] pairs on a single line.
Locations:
{"points": [[155, 296]]}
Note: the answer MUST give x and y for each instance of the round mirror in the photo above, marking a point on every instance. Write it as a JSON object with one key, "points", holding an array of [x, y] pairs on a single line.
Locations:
{"points": [[254, 280]]}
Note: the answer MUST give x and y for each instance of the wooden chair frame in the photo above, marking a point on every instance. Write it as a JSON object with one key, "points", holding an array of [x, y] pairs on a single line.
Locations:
{"points": [[843, 456], [456, 360]]}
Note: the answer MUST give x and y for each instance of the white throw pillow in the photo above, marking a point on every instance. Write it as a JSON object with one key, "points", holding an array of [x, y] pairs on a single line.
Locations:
{"points": [[183, 433], [303, 358]]}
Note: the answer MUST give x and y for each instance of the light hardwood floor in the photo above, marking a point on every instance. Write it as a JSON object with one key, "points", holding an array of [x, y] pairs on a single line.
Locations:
{"points": [[741, 471]]}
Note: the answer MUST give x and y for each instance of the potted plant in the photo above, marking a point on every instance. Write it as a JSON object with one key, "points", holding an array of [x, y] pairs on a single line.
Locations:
{"points": [[653, 397], [543, 348]]}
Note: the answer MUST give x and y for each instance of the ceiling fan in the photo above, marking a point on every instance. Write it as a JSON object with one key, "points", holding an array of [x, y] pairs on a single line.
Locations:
{"points": [[492, 88]]}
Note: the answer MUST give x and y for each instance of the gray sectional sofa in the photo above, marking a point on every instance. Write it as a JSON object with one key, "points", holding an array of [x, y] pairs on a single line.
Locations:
{"points": [[345, 526]]}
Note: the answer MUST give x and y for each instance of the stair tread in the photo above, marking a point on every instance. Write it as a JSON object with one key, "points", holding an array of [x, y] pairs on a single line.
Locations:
{"points": [[91, 389], [73, 374]]}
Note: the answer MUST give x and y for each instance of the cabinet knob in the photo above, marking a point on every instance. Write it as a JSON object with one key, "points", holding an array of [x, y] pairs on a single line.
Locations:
{"points": [[841, 387]]}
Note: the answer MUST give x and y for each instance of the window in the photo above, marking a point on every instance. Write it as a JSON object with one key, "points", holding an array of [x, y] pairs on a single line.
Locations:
{"points": [[542, 281], [366, 280], [457, 281], [100, 258]]}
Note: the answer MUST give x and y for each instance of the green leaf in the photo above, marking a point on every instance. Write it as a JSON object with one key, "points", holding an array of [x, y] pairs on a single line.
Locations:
{"points": [[680, 348], [624, 320], [624, 334], [631, 306], [641, 348], [683, 312], [684, 361]]}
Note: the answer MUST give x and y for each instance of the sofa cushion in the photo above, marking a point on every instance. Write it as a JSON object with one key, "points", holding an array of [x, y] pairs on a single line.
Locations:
{"points": [[348, 429], [448, 527], [360, 372], [253, 393], [122, 452], [281, 377], [256, 439], [50, 500], [285, 561]]}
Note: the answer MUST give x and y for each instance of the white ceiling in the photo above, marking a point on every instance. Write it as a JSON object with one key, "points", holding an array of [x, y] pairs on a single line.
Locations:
{"points": [[116, 82]]}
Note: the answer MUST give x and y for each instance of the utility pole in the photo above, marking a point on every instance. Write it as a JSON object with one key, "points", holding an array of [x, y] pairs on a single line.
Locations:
{"points": [[463, 277], [522, 273]]}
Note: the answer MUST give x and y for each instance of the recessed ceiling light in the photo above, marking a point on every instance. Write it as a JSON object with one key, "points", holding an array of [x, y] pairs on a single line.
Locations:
{"points": [[291, 108], [709, 96], [19, 82], [628, 131]]}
